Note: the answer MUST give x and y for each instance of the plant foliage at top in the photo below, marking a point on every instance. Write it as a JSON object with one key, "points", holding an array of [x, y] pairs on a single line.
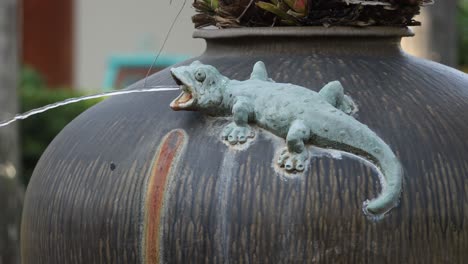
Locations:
{"points": [[257, 13]]}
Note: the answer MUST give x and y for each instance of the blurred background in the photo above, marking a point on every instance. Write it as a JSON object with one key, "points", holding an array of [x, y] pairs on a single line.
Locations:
{"points": [[55, 49]]}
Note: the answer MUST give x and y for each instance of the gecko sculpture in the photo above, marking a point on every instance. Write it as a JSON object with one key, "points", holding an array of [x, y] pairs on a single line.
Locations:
{"points": [[294, 113]]}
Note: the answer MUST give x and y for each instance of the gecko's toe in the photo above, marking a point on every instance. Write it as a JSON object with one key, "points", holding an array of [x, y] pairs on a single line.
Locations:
{"points": [[283, 157], [226, 132], [280, 161], [289, 166], [245, 133], [299, 161], [235, 134], [299, 166], [242, 139], [232, 138], [292, 161]]}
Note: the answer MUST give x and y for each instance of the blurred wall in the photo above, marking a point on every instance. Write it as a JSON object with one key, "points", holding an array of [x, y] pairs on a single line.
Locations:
{"points": [[437, 38], [47, 39], [107, 27]]}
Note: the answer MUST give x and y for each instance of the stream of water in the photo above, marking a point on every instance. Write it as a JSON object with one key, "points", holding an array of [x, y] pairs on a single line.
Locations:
{"points": [[113, 93], [83, 98]]}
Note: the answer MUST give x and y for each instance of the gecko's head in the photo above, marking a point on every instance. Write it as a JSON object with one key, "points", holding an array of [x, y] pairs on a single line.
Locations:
{"points": [[201, 87]]}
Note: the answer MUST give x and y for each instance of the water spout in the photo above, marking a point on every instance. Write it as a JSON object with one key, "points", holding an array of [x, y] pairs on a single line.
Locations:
{"points": [[84, 98]]}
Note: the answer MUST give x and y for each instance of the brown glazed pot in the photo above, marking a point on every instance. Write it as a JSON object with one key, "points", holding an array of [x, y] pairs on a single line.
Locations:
{"points": [[131, 181]]}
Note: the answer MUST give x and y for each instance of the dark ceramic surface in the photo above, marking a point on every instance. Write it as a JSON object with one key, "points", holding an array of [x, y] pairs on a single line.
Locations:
{"points": [[217, 205]]}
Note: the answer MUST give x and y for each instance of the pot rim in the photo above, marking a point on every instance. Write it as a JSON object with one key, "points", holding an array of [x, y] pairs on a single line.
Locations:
{"points": [[312, 31]]}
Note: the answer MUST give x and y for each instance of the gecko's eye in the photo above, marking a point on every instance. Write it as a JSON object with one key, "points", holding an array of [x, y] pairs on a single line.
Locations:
{"points": [[200, 76]]}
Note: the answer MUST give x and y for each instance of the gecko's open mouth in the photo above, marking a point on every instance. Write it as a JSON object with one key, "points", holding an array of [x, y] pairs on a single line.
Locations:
{"points": [[186, 97]]}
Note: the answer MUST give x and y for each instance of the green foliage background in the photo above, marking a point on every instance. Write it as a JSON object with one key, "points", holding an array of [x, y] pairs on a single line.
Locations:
{"points": [[38, 131]]}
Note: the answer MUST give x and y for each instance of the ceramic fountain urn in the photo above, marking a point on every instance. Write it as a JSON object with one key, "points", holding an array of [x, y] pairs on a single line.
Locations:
{"points": [[295, 145]]}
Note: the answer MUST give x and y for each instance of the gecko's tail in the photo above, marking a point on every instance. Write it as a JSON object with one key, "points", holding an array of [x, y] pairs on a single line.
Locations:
{"points": [[391, 182], [362, 141]]}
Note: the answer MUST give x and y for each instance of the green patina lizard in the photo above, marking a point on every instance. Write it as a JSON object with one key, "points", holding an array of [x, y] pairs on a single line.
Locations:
{"points": [[292, 112]]}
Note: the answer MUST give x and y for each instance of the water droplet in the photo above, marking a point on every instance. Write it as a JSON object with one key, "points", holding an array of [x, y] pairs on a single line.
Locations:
{"points": [[8, 170]]}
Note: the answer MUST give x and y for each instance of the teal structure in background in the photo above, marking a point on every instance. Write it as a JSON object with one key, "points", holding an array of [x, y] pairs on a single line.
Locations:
{"points": [[136, 66]]}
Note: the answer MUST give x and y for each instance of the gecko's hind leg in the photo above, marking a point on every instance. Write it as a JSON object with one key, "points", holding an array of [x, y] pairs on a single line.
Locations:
{"points": [[295, 156], [333, 93]]}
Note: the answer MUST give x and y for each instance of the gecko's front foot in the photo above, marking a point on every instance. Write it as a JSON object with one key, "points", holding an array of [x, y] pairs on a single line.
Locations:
{"points": [[234, 133], [292, 161]]}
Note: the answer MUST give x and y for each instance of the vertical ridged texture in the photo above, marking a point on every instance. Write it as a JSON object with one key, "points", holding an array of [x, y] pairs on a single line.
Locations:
{"points": [[230, 206]]}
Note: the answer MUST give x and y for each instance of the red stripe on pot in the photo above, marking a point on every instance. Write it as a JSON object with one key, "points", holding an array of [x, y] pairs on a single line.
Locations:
{"points": [[165, 159]]}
